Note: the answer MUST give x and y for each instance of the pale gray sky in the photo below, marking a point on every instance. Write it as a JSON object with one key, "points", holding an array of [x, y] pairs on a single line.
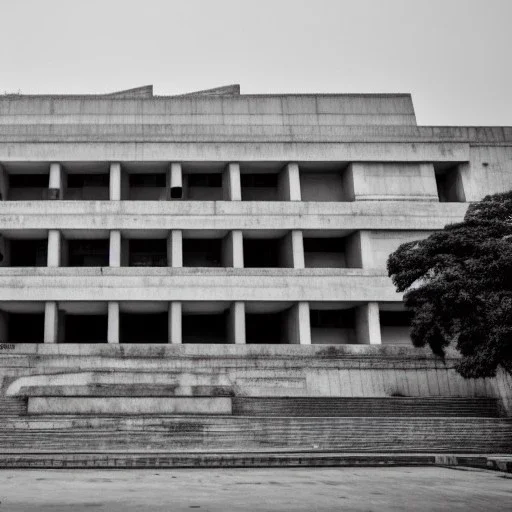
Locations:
{"points": [[454, 56]]}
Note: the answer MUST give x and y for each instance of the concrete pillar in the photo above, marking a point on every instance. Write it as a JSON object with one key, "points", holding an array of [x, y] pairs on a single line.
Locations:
{"points": [[54, 248], [368, 324], [55, 183], [175, 248], [4, 327], [231, 185], [175, 334], [299, 328], [176, 181], [51, 322], [4, 184], [359, 252], [115, 181], [113, 322], [233, 249], [289, 183], [236, 323], [292, 252], [5, 252], [115, 248]]}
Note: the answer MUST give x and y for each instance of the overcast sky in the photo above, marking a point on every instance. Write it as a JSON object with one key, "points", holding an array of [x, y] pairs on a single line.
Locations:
{"points": [[454, 56]]}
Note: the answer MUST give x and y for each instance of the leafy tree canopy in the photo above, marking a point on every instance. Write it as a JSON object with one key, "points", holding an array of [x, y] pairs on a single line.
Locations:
{"points": [[458, 285]]}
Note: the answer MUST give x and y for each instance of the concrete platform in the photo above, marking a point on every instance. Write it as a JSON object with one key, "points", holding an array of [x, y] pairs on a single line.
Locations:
{"points": [[129, 405], [385, 489]]}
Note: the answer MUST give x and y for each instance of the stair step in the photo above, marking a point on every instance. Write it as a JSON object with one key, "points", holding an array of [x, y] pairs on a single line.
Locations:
{"points": [[371, 407], [171, 433]]}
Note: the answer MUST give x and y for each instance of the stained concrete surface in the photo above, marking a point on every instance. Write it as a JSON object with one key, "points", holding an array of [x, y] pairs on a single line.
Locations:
{"points": [[276, 489]]}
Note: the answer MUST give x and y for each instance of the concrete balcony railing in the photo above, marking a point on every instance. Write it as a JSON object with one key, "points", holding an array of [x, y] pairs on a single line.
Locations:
{"points": [[193, 284], [204, 215]]}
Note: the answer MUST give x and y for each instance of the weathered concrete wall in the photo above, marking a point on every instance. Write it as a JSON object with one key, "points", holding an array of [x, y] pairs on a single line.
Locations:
{"points": [[264, 370], [215, 284], [376, 215], [383, 243]]}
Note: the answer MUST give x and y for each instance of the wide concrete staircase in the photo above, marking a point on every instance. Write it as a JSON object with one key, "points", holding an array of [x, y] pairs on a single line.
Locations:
{"points": [[47, 423]]}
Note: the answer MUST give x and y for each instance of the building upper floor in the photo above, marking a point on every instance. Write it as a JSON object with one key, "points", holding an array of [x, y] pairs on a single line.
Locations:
{"points": [[344, 147]]}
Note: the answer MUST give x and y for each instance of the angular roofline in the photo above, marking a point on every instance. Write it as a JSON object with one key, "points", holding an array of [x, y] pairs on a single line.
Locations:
{"points": [[228, 91]]}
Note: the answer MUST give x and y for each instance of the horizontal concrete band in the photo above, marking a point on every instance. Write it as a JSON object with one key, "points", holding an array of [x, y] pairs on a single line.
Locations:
{"points": [[129, 405], [263, 458], [223, 286], [201, 356], [375, 215], [231, 151], [265, 129]]}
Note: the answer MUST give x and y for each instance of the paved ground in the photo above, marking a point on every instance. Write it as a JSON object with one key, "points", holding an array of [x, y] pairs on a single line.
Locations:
{"points": [[254, 490]]}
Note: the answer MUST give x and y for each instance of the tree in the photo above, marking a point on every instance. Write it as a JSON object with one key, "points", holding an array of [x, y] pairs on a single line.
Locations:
{"points": [[458, 286]]}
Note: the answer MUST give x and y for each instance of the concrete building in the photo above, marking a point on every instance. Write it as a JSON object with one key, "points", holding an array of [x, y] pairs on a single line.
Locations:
{"points": [[212, 221]]}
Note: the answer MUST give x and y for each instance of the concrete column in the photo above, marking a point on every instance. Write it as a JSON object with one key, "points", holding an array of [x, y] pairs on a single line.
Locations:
{"points": [[231, 185], [289, 183], [292, 252], [55, 183], [233, 249], [51, 322], [236, 323], [5, 252], [4, 184], [175, 334], [113, 322], [176, 181], [54, 248], [299, 328], [359, 252], [175, 248], [115, 248], [4, 327], [368, 324], [115, 181]]}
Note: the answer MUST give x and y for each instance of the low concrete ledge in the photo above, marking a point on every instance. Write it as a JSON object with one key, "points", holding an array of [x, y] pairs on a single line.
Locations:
{"points": [[129, 405], [263, 458], [305, 353], [374, 215]]}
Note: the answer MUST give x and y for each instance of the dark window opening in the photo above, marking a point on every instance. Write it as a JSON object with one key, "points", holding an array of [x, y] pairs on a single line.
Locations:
{"points": [[325, 253], [147, 253], [88, 253], [147, 180], [259, 187], [395, 318], [28, 253], [395, 327], [265, 328], [29, 180], [87, 187], [204, 187], [205, 180], [262, 252], [199, 328], [85, 328], [143, 327], [27, 187], [332, 318], [333, 326], [324, 244], [26, 327], [88, 180], [199, 252], [449, 186]]}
